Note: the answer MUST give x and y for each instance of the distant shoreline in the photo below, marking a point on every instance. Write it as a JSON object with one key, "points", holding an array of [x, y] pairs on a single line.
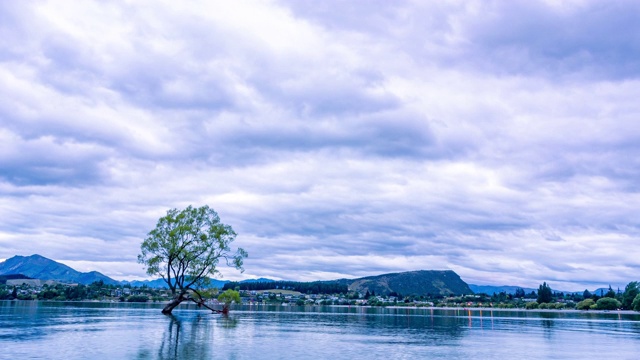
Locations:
{"points": [[457, 309], [625, 312]]}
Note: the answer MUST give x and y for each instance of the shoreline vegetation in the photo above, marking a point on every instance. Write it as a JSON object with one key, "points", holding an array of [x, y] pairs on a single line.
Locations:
{"points": [[545, 300]]}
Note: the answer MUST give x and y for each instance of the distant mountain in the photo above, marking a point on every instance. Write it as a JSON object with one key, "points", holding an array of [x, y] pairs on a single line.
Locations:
{"points": [[422, 282], [39, 267], [155, 284], [490, 289], [510, 289], [257, 280], [598, 291], [161, 284]]}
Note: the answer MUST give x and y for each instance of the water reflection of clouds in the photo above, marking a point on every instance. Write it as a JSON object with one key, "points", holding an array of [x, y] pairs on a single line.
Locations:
{"points": [[78, 331]]}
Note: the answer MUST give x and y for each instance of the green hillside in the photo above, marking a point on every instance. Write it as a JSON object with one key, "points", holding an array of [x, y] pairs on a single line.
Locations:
{"points": [[423, 282]]}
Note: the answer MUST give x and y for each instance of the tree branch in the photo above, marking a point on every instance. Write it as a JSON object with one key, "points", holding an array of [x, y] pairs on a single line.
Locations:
{"points": [[201, 303]]}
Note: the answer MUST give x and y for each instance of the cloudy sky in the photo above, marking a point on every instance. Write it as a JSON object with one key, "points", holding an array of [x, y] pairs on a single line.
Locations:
{"points": [[498, 139]]}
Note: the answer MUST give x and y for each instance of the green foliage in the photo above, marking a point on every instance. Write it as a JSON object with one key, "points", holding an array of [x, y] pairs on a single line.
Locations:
{"points": [[186, 247], [229, 296], [97, 290], [631, 291], [586, 294], [610, 293], [570, 305], [25, 297], [635, 304], [544, 294], [373, 301], [585, 304], [531, 305], [48, 294], [78, 292], [607, 303], [315, 287], [138, 298], [501, 297]]}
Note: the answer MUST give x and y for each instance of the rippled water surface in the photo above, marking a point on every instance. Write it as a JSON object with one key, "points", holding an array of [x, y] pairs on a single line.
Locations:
{"points": [[47, 330]]}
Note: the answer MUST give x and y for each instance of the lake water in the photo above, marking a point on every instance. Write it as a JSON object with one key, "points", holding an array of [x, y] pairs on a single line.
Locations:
{"points": [[48, 330]]}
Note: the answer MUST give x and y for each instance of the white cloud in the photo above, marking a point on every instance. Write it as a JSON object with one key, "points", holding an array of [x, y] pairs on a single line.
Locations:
{"points": [[340, 139]]}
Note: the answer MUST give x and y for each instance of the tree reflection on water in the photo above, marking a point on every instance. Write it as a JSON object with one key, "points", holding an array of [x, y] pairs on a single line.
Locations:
{"points": [[87, 330], [183, 339]]}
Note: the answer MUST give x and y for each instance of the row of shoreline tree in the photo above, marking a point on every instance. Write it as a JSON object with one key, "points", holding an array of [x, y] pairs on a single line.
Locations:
{"points": [[611, 300], [314, 287], [544, 298]]}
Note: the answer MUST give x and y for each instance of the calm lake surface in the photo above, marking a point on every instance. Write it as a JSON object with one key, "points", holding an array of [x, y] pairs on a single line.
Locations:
{"points": [[49, 330]]}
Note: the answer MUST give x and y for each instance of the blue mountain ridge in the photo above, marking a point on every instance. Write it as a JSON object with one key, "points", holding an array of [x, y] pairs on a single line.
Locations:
{"points": [[511, 289], [39, 267], [160, 283], [490, 289], [42, 268]]}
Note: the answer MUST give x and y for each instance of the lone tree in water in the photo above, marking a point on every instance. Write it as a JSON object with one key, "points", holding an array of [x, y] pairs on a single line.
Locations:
{"points": [[185, 248], [228, 297]]}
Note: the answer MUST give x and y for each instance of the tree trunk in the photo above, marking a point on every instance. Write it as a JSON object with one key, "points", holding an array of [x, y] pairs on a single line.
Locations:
{"points": [[173, 303]]}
